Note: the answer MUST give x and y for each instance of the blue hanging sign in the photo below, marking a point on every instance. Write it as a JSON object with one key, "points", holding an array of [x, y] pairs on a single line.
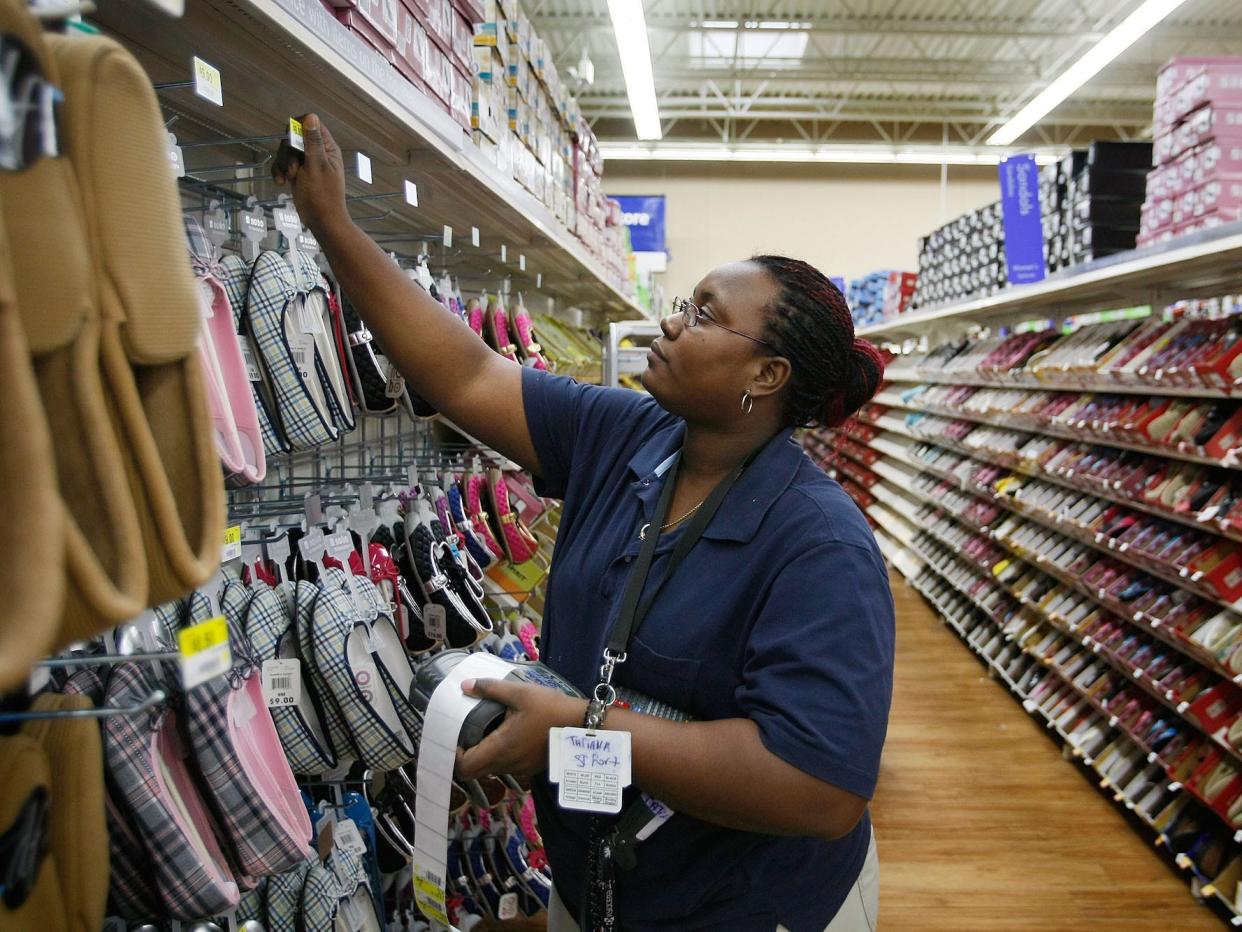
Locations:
{"points": [[1024, 227], [644, 215]]}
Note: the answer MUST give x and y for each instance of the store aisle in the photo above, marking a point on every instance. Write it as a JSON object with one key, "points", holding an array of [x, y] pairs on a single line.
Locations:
{"points": [[982, 825]]}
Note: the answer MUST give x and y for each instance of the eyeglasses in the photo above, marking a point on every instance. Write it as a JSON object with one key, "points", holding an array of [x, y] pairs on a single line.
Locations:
{"points": [[691, 314]]}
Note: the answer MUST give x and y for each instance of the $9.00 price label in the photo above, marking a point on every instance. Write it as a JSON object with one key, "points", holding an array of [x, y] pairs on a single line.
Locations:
{"points": [[282, 683]]}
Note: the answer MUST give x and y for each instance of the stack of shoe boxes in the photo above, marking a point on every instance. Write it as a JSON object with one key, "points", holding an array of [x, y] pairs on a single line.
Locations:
{"points": [[1056, 208], [1106, 200], [963, 259], [880, 296], [1197, 180]]}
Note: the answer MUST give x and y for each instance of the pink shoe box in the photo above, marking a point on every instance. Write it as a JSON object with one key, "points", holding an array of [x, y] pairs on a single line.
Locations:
{"points": [[1177, 71], [1157, 215], [1218, 83], [1222, 196], [374, 20], [1221, 122], [1155, 238], [1163, 148]]}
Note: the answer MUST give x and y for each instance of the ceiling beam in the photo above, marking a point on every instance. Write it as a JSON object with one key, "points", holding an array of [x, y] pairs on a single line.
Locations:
{"points": [[975, 27]]}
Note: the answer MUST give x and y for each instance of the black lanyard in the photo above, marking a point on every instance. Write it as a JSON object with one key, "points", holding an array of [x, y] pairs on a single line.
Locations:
{"points": [[634, 608]]}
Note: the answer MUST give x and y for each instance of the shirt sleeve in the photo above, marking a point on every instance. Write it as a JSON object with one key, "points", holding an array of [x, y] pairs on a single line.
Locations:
{"points": [[573, 425], [817, 676]]}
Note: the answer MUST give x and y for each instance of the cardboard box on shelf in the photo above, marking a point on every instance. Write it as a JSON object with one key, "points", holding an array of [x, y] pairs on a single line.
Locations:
{"points": [[463, 41], [362, 27], [460, 98], [488, 66], [473, 11]]}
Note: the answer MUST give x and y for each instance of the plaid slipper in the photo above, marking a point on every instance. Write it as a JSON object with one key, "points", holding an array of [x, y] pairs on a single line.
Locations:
{"points": [[251, 906], [338, 733], [56, 297], [115, 138], [258, 807], [282, 900], [228, 381], [270, 626], [273, 304], [343, 655], [235, 277], [131, 890], [315, 296], [146, 762], [33, 900], [78, 828]]}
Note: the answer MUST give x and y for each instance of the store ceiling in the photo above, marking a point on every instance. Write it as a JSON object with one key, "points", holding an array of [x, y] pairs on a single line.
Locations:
{"points": [[877, 71]]}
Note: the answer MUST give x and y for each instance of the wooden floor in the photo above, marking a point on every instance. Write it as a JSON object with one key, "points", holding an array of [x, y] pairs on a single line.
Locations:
{"points": [[982, 826]]}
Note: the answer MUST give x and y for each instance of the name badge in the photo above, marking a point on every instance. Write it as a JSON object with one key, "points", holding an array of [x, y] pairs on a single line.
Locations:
{"points": [[592, 769]]}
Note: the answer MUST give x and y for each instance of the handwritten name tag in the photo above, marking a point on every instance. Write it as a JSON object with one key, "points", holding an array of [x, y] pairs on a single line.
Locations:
{"points": [[592, 769]]}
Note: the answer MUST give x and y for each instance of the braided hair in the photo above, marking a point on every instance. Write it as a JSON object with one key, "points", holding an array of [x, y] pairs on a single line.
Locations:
{"points": [[833, 373]]}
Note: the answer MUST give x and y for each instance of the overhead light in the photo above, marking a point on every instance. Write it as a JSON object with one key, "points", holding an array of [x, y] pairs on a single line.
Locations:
{"points": [[778, 24], [719, 24], [630, 27], [1124, 35], [860, 155]]}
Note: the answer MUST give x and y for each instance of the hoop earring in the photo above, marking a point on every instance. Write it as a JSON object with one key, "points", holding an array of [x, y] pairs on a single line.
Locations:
{"points": [[748, 403]]}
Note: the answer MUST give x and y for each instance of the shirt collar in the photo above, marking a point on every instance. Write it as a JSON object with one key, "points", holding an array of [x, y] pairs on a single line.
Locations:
{"points": [[747, 502]]}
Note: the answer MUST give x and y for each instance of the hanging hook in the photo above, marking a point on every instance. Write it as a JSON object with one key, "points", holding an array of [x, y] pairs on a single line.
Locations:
{"points": [[156, 697]]}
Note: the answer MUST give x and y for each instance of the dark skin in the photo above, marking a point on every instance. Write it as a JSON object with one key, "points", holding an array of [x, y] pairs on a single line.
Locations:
{"points": [[717, 771]]}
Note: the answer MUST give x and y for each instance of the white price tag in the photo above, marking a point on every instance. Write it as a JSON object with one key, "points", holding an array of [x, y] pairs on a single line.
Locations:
{"points": [[448, 237], [302, 359], [435, 622], [522, 261], [207, 82], [474, 237], [593, 770], [312, 545], [395, 386], [339, 546], [295, 135], [282, 683], [364, 168], [175, 159], [508, 908], [252, 368], [539, 280], [348, 838], [204, 651], [411, 193], [504, 253]]}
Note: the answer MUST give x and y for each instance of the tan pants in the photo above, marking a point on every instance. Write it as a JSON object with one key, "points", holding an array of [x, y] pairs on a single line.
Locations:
{"points": [[859, 912]]}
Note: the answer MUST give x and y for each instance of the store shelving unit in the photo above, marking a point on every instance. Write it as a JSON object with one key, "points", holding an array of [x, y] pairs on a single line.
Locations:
{"points": [[282, 58], [1201, 264], [932, 457]]}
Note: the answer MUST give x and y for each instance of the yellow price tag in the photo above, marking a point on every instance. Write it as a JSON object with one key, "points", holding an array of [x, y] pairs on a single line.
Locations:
{"points": [[232, 548], [295, 135], [203, 636], [204, 649], [430, 899], [207, 82], [1208, 890]]}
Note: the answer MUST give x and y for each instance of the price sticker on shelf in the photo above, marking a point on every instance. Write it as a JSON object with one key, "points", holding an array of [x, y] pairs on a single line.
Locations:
{"points": [[364, 168], [207, 82], [203, 651], [282, 683], [474, 237], [232, 548], [411, 193], [448, 237], [539, 280], [296, 138], [504, 253]]}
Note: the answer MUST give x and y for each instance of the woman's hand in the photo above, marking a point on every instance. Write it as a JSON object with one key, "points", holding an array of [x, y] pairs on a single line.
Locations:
{"points": [[316, 175], [520, 745]]}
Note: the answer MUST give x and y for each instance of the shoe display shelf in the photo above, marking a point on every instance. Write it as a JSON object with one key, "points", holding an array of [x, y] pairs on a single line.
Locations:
{"points": [[278, 59], [1204, 263], [1061, 685]]}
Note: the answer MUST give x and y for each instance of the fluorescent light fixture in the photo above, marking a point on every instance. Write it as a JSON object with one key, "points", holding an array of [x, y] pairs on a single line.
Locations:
{"points": [[630, 27], [719, 24], [858, 155], [1124, 35], [777, 24]]}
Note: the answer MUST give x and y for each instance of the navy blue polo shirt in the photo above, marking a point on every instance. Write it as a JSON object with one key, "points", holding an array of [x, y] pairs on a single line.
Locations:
{"points": [[781, 614]]}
